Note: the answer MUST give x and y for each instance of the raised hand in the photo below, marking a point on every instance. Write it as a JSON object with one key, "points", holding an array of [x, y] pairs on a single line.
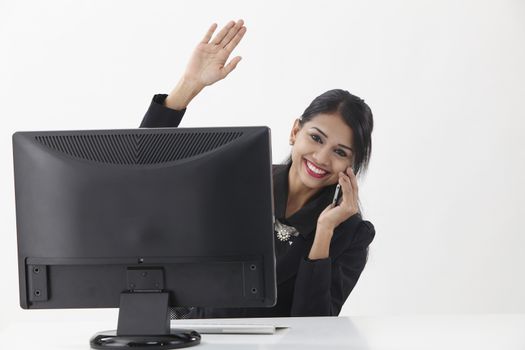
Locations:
{"points": [[207, 64], [208, 61]]}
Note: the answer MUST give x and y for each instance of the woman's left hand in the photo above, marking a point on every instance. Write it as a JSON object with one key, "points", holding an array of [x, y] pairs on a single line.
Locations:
{"points": [[333, 216]]}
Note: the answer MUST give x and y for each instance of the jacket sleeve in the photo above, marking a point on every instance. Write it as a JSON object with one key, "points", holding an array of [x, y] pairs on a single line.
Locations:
{"points": [[322, 286], [160, 116]]}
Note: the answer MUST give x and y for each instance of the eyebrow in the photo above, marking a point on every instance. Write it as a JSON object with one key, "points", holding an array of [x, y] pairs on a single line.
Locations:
{"points": [[314, 127]]}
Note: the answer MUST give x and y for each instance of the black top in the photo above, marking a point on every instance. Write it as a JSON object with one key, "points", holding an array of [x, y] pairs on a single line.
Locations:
{"points": [[304, 287]]}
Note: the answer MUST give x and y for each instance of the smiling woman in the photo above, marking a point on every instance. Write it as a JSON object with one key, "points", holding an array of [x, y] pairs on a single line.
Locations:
{"points": [[332, 136], [321, 247]]}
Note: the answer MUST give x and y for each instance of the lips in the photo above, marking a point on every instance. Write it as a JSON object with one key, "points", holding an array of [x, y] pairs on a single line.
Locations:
{"points": [[311, 172]]}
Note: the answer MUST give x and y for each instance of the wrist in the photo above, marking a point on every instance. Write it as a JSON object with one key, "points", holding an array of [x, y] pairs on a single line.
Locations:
{"points": [[321, 245], [183, 93], [325, 227], [190, 83]]}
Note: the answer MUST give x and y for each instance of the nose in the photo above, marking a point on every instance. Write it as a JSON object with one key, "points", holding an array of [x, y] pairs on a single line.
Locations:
{"points": [[321, 156]]}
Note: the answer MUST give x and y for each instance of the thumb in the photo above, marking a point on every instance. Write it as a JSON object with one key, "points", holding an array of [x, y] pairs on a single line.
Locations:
{"points": [[231, 65]]}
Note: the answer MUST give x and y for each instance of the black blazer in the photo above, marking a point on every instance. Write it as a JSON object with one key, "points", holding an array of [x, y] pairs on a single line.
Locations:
{"points": [[304, 287]]}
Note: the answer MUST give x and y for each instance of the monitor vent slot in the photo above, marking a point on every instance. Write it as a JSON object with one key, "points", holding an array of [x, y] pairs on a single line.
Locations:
{"points": [[138, 149]]}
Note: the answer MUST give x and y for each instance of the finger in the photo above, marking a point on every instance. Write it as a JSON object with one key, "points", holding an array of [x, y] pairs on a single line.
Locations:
{"points": [[208, 35], [231, 33], [218, 38], [231, 65], [346, 187], [353, 181], [235, 41]]}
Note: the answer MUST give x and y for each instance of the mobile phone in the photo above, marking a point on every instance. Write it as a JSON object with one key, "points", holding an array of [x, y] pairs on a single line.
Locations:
{"points": [[336, 195]]}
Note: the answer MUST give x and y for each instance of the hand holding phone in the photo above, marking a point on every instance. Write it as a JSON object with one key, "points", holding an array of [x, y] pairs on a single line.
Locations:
{"points": [[345, 202]]}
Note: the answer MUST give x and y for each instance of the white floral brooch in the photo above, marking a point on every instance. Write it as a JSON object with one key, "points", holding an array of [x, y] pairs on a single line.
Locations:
{"points": [[284, 232]]}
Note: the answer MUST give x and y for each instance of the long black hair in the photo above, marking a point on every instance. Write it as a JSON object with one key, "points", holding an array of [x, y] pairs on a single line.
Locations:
{"points": [[356, 114]]}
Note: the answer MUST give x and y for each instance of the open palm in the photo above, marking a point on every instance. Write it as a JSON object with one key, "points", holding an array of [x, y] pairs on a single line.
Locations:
{"points": [[207, 64]]}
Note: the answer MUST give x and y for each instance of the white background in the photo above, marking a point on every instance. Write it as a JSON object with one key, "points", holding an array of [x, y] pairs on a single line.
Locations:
{"points": [[445, 80]]}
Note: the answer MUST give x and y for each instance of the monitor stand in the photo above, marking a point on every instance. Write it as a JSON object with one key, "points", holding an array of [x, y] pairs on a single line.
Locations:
{"points": [[144, 323]]}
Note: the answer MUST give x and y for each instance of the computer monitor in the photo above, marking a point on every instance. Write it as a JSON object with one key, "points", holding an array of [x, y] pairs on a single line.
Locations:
{"points": [[144, 219]]}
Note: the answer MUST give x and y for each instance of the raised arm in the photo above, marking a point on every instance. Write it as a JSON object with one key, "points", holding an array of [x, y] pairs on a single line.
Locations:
{"points": [[206, 66]]}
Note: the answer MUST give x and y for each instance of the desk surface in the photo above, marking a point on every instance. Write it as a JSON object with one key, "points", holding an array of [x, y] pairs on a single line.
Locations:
{"points": [[365, 333]]}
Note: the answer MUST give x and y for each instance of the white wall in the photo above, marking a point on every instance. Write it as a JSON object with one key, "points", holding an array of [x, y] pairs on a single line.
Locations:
{"points": [[445, 188]]}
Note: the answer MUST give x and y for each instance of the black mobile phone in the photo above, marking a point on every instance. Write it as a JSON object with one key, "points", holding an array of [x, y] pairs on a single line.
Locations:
{"points": [[337, 194]]}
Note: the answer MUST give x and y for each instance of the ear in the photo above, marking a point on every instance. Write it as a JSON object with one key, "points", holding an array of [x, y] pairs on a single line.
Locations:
{"points": [[295, 129]]}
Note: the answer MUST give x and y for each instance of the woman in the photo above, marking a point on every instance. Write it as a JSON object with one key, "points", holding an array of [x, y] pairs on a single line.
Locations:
{"points": [[321, 248]]}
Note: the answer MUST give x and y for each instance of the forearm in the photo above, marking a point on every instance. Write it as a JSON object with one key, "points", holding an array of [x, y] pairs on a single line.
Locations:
{"points": [[325, 281], [321, 246], [312, 296], [182, 94], [160, 116]]}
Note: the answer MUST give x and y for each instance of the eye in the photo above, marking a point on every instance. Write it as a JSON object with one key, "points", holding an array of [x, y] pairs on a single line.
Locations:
{"points": [[316, 138], [341, 153]]}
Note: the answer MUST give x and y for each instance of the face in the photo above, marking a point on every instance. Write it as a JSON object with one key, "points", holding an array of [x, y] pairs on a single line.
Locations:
{"points": [[321, 149]]}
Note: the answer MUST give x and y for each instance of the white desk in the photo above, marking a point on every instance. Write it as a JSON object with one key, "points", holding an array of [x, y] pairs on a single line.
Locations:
{"points": [[479, 332]]}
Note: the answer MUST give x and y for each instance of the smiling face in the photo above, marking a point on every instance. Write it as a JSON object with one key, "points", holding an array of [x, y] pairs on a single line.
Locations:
{"points": [[322, 148]]}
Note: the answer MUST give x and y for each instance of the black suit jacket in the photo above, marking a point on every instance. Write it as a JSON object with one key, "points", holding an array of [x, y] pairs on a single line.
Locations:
{"points": [[304, 287]]}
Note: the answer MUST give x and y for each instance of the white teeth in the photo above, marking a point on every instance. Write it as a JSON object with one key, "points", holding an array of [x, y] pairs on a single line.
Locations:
{"points": [[315, 169]]}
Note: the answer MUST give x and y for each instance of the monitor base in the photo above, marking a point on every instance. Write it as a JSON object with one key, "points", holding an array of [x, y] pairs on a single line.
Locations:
{"points": [[178, 338], [143, 320]]}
